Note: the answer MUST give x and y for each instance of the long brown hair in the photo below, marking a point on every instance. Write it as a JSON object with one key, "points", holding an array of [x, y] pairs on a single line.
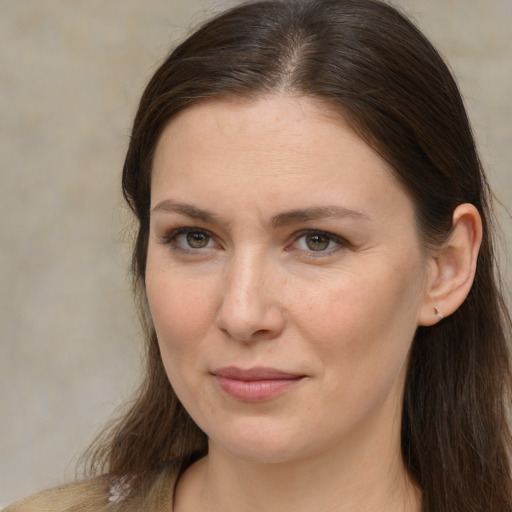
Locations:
{"points": [[372, 66]]}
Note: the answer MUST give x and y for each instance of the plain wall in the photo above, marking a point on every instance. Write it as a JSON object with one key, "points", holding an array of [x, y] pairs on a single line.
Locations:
{"points": [[71, 73]]}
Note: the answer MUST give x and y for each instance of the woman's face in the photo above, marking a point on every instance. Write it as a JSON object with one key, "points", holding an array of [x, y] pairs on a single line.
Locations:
{"points": [[285, 279]]}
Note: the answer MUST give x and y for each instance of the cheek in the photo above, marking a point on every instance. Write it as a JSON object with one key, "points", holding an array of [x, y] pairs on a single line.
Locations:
{"points": [[182, 311], [364, 321], [181, 317]]}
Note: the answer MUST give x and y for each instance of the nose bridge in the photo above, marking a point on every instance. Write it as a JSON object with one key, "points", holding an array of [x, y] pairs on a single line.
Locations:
{"points": [[250, 307]]}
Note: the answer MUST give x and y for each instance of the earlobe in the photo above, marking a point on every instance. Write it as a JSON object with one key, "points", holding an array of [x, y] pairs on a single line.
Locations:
{"points": [[453, 266]]}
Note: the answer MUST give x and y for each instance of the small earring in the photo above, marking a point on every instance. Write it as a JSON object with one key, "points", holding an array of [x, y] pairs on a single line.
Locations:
{"points": [[438, 313]]}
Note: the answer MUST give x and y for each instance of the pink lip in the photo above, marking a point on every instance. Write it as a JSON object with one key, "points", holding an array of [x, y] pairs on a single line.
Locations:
{"points": [[255, 384]]}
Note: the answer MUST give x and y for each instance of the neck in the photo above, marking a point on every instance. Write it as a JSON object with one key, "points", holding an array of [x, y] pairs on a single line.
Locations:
{"points": [[370, 479]]}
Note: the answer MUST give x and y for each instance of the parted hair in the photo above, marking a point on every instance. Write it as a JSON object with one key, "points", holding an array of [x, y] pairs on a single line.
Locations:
{"points": [[370, 65]]}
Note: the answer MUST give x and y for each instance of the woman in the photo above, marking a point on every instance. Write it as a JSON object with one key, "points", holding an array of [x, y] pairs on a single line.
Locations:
{"points": [[315, 265]]}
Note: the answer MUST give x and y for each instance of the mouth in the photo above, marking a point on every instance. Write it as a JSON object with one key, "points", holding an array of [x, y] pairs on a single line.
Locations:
{"points": [[255, 384]]}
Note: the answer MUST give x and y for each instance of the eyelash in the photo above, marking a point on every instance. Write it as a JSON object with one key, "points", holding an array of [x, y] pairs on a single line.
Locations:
{"points": [[172, 237], [340, 242]]}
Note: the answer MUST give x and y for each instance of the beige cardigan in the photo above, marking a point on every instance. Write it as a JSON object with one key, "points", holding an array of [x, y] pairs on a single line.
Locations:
{"points": [[96, 495]]}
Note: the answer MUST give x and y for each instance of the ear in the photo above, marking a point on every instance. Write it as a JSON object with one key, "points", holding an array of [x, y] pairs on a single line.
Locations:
{"points": [[452, 267]]}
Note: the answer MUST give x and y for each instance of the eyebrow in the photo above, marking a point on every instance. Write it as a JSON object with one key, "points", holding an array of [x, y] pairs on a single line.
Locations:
{"points": [[280, 220], [315, 213], [188, 210]]}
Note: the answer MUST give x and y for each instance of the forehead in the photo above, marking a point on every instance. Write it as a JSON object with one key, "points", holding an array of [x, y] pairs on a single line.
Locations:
{"points": [[292, 149], [276, 127]]}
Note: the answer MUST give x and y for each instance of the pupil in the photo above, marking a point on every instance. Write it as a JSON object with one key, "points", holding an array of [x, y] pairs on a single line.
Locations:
{"points": [[317, 242], [197, 240]]}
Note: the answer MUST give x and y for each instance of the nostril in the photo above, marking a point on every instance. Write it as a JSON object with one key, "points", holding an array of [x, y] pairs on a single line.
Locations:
{"points": [[249, 309], [260, 327], [261, 333]]}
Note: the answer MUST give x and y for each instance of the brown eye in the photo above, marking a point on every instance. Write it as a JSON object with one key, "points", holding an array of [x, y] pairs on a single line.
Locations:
{"points": [[197, 239], [317, 242]]}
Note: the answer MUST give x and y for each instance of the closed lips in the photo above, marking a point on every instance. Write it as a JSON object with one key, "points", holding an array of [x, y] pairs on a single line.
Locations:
{"points": [[255, 384], [255, 374]]}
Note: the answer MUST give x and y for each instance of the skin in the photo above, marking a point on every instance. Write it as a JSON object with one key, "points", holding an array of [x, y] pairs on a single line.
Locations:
{"points": [[260, 286]]}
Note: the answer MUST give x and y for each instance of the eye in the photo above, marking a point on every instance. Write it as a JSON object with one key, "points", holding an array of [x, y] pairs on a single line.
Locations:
{"points": [[318, 241], [189, 239], [195, 239]]}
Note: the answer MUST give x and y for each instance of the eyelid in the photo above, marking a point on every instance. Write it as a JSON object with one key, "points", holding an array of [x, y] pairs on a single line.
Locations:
{"points": [[172, 235], [341, 242]]}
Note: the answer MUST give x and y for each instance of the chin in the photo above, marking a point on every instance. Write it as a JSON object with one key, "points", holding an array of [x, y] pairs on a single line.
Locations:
{"points": [[262, 443], [261, 453]]}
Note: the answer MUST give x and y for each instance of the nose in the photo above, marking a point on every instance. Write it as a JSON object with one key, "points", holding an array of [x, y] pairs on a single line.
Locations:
{"points": [[250, 309]]}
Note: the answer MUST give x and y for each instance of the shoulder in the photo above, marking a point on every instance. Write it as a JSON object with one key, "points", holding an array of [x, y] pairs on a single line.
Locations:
{"points": [[105, 494], [87, 496]]}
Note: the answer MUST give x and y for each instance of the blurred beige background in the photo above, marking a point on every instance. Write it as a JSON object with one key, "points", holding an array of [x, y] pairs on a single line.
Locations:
{"points": [[71, 72]]}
